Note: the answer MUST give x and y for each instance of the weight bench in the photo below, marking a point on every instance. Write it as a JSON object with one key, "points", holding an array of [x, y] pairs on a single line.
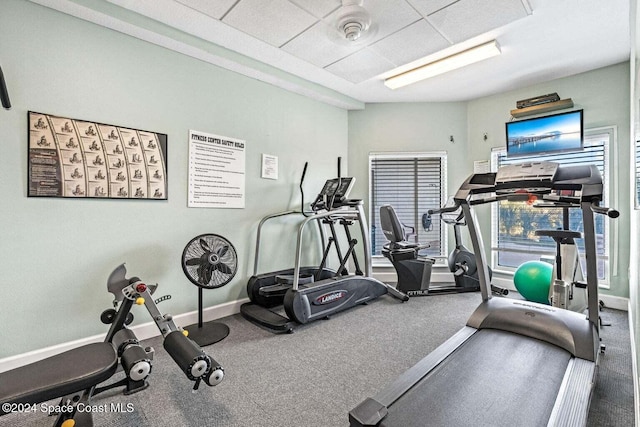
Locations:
{"points": [[74, 376], [58, 376]]}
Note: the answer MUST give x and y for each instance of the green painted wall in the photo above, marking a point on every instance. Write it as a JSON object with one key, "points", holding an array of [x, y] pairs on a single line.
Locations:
{"points": [[415, 127], [56, 254], [603, 94]]}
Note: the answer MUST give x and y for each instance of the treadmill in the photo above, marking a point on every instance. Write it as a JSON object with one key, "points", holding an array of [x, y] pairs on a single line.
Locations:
{"points": [[515, 363]]}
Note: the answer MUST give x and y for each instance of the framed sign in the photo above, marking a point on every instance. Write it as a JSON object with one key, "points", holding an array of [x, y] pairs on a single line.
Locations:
{"points": [[84, 159], [216, 171]]}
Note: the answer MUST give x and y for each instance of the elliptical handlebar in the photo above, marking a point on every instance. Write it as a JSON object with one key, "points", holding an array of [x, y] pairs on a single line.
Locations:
{"points": [[304, 172]]}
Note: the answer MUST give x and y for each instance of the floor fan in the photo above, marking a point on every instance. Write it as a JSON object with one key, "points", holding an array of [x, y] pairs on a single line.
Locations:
{"points": [[209, 261]]}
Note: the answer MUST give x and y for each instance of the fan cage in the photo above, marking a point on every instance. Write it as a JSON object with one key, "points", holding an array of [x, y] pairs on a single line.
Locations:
{"points": [[216, 244]]}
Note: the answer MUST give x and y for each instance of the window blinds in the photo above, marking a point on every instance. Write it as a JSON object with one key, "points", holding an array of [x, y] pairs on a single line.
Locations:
{"points": [[412, 184]]}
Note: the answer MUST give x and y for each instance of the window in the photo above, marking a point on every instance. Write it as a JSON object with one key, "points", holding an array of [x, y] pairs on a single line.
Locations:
{"points": [[412, 183], [514, 223]]}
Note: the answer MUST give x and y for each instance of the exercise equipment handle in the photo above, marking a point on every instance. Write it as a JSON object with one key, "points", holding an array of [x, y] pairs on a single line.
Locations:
{"points": [[610, 212], [4, 94], [445, 209], [304, 172], [512, 197]]}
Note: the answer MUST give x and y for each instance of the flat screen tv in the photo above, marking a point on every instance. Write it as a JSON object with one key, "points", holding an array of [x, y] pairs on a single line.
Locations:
{"points": [[548, 134]]}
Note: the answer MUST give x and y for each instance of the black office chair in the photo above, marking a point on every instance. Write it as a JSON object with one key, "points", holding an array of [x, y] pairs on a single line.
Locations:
{"points": [[413, 270]]}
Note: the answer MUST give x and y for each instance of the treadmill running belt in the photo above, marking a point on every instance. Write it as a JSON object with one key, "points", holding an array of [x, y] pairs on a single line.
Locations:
{"points": [[495, 378]]}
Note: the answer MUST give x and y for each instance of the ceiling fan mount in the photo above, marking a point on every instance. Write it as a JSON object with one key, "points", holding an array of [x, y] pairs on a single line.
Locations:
{"points": [[353, 19], [352, 23]]}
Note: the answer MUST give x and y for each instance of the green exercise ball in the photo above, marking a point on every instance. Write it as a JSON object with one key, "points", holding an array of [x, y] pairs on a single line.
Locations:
{"points": [[532, 280]]}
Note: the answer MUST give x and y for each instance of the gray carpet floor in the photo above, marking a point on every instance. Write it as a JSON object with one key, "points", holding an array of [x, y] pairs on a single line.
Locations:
{"points": [[314, 376]]}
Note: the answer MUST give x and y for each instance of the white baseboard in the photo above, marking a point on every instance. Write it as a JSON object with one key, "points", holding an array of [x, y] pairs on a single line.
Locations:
{"points": [[143, 331], [389, 276], [617, 303]]}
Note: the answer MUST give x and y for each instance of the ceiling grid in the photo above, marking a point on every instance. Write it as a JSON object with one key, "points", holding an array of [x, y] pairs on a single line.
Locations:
{"points": [[300, 38]]}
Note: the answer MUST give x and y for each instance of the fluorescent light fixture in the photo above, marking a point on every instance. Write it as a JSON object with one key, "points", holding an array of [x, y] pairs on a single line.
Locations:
{"points": [[444, 65]]}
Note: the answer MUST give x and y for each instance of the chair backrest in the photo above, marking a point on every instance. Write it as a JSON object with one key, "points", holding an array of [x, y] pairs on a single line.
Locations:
{"points": [[391, 225]]}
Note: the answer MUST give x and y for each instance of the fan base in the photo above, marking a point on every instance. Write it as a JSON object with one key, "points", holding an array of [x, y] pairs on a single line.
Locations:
{"points": [[208, 333]]}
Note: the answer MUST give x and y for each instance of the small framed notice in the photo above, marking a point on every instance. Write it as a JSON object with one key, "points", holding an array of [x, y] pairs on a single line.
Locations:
{"points": [[269, 166], [481, 166]]}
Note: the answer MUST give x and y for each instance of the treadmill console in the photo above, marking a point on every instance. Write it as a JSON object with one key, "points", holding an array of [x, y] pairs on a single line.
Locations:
{"points": [[334, 192], [532, 176], [533, 171]]}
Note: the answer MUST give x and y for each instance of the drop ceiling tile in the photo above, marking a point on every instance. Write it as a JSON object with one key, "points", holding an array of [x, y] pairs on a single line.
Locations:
{"points": [[215, 9], [427, 7], [360, 66], [317, 47], [318, 8], [413, 42], [468, 18], [273, 21]]}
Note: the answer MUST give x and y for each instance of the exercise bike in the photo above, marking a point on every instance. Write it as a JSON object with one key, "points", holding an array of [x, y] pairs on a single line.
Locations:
{"points": [[414, 271], [74, 376], [568, 289], [461, 261]]}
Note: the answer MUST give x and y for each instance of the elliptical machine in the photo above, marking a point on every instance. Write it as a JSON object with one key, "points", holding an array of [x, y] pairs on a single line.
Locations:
{"points": [[306, 294]]}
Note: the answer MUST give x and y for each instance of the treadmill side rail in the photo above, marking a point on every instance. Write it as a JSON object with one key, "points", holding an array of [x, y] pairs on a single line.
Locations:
{"points": [[372, 410], [572, 404], [369, 413]]}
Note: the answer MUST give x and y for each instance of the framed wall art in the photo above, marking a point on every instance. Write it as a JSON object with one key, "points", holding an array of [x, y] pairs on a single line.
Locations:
{"points": [[84, 159]]}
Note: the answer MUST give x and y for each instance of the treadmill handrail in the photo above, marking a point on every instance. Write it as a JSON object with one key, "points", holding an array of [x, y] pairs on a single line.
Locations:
{"points": [[445, 209], [610, 212]]}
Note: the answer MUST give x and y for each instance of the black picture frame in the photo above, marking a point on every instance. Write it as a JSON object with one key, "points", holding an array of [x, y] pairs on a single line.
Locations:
{"points": [[73, 158]]}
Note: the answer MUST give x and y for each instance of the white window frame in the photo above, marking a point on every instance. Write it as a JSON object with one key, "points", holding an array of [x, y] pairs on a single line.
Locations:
{"points": [[609, 133], [379, 260], [636, 202]]}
